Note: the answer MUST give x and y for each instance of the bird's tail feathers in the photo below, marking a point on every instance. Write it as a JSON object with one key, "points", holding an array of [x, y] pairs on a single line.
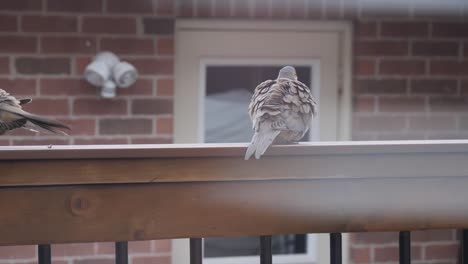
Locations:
{"points": [[45, 123], [260, 143]]}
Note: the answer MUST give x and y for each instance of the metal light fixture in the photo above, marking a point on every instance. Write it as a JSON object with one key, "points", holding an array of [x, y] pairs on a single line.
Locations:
{"points": [[108, 72]]}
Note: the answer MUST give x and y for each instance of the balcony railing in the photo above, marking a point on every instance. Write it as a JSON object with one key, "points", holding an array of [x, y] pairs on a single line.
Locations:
{"points": [[64, 194]]}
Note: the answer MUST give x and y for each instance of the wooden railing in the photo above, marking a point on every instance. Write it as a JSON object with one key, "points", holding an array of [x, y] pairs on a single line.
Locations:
{"points": [[63, 194]]}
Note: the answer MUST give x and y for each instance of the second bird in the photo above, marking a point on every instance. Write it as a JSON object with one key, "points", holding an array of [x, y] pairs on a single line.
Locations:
{"points": [[280, 109], [12, 116]]}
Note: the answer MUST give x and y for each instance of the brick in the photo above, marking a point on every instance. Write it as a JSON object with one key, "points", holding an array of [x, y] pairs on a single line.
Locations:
{"points": [[365, 29], [431, 123], [152, 106], [401, 104], [386, 254], [19, 86], [380, 86], [364, 104], [241, 9], [441, 251], [364, 67], [158, 26], [314, 10], [8, 23], [152, 259], [186, 8], [35, 23], [164, 125], [360, 255], [433, 86], [165, 8], [48, 106], [450, 29], [165, 87], [4, 65], [80, 127], [378, 9], [134, 6], [464, 87], [18, 44], [404, 29], [4, 142], [17, 252], [44, 65], [151, 140], [101, 141], [139, 247], [279, 9], [261, 8], [78, 249], [82, 6], [448, 104], [153, 66], [381, 48], [165, 46], [94, 261], [68, 45], [134, 46], [380, 124], [435, 48], [81, 62], [95, 106], [203, 9], [66, 87], [125, 126], [402, 67], [109, 25], [41, 141], [434, 235], [297, 9], [20, 5], [449, 67], [140, 87], [162, 246]]}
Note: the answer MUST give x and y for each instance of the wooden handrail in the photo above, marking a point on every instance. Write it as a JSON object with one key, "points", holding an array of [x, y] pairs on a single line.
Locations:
{"points": [[64, 194]]}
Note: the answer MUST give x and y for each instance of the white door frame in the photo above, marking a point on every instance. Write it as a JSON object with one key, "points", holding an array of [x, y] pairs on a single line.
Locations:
{"points": [[187, 123]]}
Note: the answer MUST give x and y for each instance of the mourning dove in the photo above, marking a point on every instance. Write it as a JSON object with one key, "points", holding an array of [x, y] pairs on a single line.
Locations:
{"points": [[12, 116], [281, 108]]}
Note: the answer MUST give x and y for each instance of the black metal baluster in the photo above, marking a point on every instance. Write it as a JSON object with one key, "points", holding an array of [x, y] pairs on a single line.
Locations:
{"points": [[121, 252], [196, 253], [335, 248], [44, 253], [405, 247], [266, 255], [464, 246]]}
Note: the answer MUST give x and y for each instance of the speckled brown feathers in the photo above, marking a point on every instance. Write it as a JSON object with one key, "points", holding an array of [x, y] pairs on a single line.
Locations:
{"points": [[281, 109], [12, 116]]}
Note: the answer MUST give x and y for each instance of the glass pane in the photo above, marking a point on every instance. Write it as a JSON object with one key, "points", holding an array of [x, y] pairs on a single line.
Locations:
{"points": [[250, 246], [228, 93]]}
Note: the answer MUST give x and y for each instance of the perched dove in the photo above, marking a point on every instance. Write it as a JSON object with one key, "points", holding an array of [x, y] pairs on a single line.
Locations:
{"points": [[281, 108], [12, 116]]}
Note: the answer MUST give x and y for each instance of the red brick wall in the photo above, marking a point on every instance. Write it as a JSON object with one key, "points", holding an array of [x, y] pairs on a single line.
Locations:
{"points": [[410, 82]]}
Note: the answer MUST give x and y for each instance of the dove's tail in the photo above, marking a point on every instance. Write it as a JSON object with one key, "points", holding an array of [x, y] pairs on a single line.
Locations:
{"points": [[260, 142], [45, 123]]}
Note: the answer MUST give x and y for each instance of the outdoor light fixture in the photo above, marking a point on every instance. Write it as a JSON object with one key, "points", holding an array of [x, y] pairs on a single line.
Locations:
{"points": [[108, 72]]}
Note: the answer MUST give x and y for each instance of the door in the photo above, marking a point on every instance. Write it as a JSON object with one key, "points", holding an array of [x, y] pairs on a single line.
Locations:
{"points": [[218, 64]]}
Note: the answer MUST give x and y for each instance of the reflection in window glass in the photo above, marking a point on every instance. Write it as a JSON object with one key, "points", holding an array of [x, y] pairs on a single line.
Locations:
{"points": [[228, 93]]}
